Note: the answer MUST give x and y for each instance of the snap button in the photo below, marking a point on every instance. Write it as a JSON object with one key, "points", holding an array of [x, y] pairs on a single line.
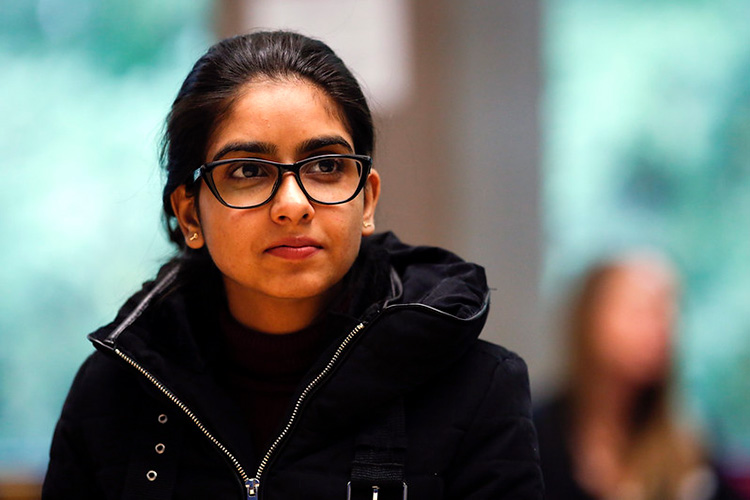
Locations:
{"points": [[151, 475], [160, 448], [162, 419]]}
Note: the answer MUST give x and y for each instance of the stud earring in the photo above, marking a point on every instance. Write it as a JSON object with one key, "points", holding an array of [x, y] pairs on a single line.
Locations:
{"points": [[193, 237], [366, 224]]}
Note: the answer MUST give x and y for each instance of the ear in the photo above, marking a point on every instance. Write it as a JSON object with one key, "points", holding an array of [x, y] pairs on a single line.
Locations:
{"points": [[186, 211], [372, 194]]}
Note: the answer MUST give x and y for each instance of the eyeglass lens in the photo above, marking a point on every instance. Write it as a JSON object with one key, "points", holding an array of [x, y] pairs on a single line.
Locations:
{"points": [[245, 183]]}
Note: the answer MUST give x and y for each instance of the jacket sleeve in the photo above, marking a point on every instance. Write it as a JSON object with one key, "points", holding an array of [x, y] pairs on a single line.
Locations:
{"points": [[499, 455], [70, 473]]}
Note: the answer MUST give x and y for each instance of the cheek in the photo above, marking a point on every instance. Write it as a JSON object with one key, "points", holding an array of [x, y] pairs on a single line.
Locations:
{"points": [[632, 342], [614, 342], [343, 226], [347, 227], [227, 231]]}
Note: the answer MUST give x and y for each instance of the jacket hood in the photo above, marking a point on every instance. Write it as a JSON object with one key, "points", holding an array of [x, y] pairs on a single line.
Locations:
{"points": [[438, 309], [435, 278], [431, 313]]}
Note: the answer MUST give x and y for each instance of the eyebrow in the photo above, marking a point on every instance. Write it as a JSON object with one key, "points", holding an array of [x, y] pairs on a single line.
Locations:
{"points": [[323, 142], [246, 147], [269, 149]]}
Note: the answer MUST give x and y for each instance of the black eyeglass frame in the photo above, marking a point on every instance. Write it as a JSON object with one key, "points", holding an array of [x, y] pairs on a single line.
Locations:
{"points": [[205, 172]]}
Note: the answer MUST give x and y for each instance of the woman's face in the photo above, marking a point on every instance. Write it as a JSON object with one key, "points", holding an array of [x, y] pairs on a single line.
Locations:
{"points": [[289, 249], [633, 322]]}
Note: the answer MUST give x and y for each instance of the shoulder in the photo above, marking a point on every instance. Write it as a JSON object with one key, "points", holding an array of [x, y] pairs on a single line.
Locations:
{"points": [[506, 371], [490, 376], [499, 356], [509, 382], [498, 448], [102, 386]]}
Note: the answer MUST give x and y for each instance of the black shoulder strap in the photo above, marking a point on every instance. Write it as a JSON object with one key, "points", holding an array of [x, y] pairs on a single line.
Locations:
{"points": [[379, 455]]}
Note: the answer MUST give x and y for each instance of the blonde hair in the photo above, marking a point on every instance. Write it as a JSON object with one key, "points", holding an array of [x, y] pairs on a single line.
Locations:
{"points": [[658, 455]]}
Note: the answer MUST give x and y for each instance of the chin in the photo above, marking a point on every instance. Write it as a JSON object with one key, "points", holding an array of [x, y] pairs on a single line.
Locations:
{"points": [[301, 289]]}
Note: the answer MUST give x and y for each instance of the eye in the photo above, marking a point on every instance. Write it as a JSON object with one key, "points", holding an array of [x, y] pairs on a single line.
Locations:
{"points": [[248, 170], [325, 166]]}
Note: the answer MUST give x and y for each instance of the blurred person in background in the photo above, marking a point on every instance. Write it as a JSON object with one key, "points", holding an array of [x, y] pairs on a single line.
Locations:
{"points": [[287, 351], [612, 434]]}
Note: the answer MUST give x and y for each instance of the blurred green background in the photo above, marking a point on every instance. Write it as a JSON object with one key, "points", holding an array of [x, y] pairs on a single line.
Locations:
{"points": [[646, 141], [646, 136], [84, 90]]}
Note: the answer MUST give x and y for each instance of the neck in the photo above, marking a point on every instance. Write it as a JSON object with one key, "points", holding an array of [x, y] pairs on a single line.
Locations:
{"points": [[272, 314]]}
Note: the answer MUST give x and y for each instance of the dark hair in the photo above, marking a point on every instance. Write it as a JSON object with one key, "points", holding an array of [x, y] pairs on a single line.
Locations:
{"points": [[214, 83]]}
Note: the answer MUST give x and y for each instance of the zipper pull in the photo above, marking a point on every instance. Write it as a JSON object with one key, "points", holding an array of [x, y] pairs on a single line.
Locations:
{"points": [[252, 486]]}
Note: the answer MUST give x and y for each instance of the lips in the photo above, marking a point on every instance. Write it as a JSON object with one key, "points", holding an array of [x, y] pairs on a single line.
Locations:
{"points": [[294, 248]]}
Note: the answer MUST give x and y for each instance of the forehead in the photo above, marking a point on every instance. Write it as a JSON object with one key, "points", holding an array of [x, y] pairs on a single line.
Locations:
{"points": [[266, 98], [639, 281], [283, 112]]}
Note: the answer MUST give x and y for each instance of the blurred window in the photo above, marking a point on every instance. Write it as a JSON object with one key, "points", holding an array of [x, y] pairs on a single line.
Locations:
{"points": [[85, 88], [647, 132]]}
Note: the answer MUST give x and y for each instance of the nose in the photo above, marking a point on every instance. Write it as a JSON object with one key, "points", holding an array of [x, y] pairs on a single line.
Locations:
{"points": [[290, 205]]}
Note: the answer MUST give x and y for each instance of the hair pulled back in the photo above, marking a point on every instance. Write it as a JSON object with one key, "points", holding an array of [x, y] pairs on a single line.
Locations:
{"points": [[215, 81]]}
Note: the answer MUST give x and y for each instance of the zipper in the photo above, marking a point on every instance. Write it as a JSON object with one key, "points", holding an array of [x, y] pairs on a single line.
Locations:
{"points": [[252, 485], [298, 405], [182, 406]]}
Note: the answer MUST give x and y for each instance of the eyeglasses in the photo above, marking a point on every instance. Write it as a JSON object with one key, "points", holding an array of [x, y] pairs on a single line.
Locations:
{"points": [[251, 182]]}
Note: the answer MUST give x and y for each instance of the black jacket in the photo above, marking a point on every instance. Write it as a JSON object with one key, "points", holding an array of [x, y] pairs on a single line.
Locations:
{"points": [[146, 419]]}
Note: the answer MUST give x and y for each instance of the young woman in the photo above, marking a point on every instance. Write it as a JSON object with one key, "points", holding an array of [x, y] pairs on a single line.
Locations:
{"points": [[287, 351], [612, 434]]}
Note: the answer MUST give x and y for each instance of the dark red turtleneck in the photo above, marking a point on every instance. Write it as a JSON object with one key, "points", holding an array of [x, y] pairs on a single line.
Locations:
{"points": [[263, 370]]}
